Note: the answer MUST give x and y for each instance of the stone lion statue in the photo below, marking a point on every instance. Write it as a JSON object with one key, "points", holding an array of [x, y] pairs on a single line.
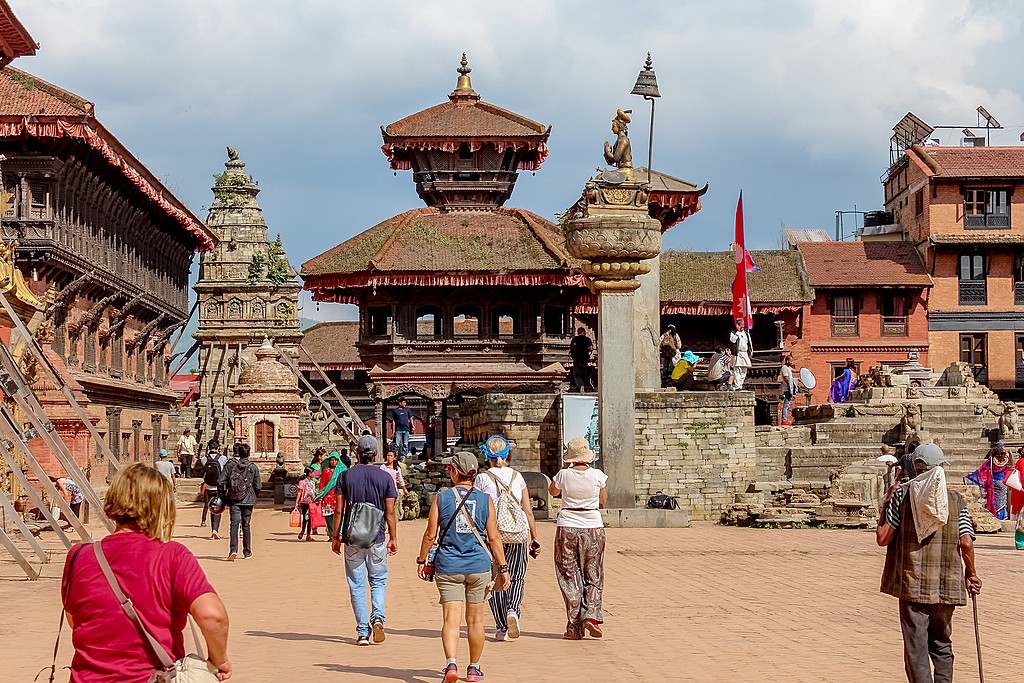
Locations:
{"points": [[1008, 420], [910, 423]]}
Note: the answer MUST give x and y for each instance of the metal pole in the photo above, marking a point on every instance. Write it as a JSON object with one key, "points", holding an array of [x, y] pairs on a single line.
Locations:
{"points": [[650, 142]]}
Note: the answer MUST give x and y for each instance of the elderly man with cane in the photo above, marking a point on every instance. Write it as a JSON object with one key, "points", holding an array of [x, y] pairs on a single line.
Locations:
{"points": [[929, 563]]}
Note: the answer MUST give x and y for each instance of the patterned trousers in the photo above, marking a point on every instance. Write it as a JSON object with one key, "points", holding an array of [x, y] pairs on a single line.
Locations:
{"points": [[503, 602], [579, 565]]}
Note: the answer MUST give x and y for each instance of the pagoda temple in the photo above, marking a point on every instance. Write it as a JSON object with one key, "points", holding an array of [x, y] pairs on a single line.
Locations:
{"points": [[465, 295]]}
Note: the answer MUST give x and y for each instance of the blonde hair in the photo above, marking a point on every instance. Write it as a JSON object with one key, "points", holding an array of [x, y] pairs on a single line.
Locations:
{"points": [[141, 498]]}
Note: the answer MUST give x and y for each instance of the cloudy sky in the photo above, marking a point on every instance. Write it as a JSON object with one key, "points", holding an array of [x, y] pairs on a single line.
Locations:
{"points": [[792, 101]]}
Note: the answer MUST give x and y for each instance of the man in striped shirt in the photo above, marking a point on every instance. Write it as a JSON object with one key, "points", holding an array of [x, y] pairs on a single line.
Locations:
{"points": [[929, 576]]}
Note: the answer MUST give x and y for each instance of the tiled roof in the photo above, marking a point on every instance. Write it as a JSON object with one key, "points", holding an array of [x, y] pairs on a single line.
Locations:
{"points": [[332, 344], [974, 162], [856, 264], [426, 240], [980, 239], [22, 94], [464, 119], [794, 237], [706, 277], [14, 38]]}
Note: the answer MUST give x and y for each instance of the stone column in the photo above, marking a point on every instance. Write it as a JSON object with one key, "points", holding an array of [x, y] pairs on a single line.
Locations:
{"points": [[381, 428], [439, 426], [616, 405], [614, 237], [647, 326]]}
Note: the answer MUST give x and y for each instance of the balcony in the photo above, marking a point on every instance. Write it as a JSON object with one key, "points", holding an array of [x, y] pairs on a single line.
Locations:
{"points": [[973, 293], [845, 326], [983, 221], [894, 326]]}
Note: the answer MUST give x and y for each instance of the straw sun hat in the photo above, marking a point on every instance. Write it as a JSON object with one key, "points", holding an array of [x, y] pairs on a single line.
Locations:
{"points": [[578, 450]]}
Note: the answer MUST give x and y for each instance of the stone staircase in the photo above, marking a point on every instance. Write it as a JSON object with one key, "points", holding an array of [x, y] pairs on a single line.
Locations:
{"points": [[961, 431]]}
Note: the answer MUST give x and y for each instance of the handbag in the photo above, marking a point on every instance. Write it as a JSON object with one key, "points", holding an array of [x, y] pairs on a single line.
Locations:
{"points": [[1013, 481], [494, 565], [295, 519], [192, 668]]}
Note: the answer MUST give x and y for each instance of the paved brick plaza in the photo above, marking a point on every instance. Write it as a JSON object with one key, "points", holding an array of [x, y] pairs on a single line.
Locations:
{"points": [[708, 603]]}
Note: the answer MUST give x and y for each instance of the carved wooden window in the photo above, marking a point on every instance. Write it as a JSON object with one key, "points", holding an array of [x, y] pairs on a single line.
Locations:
{"points": [[895, 314], [379, 321], [429, 322], [39, 201], [265, 434], [973, 286], [506, 321], [974, 352], [845, 319]]}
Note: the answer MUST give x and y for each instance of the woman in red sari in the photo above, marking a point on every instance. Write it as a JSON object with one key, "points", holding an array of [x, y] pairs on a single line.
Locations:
{"points": [[1016, 502]]}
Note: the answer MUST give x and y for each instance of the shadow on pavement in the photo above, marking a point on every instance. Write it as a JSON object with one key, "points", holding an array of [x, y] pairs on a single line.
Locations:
{"points": [[420, 676], [298, 636]]}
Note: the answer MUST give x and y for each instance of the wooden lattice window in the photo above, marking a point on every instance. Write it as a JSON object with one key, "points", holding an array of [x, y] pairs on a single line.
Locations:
{"points": [[265, 436]]}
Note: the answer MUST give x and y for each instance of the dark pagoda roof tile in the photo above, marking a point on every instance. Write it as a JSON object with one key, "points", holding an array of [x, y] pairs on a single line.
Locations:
{"points": [[22, 94], [427, 240], [464, 119], [15, 40], [706, 277]]}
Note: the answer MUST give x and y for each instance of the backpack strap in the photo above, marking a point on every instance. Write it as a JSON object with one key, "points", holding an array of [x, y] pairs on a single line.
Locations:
{"points": [[502, 486]]}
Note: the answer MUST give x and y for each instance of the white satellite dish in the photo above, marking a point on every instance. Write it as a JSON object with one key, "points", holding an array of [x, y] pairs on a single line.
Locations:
{"points": [[807, 377]]}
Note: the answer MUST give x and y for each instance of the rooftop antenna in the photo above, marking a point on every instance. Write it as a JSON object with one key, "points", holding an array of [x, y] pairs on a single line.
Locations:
{"points": [[990, 123]]}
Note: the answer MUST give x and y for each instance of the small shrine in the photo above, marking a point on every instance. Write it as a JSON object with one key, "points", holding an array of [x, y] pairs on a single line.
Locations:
{"points": [[266, 405]]}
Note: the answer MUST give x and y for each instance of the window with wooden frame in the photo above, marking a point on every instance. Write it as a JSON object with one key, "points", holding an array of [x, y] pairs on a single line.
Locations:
{"points": [[986, 208], [1018, 279], [974, 352], [971, 274], [39, 201], [265, 435], [919, 202], [895, 313], [845, 319]]}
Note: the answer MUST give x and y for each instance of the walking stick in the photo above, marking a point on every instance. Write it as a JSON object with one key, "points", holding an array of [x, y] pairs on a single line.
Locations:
{"points": [[977, 637]]}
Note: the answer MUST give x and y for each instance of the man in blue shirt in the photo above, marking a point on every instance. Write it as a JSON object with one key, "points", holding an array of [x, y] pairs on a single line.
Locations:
{"points": [[367, 483], [402, 417]]}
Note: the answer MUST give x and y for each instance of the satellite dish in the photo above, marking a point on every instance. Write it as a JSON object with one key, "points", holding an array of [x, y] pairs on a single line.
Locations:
{"points": [[807, 377]]}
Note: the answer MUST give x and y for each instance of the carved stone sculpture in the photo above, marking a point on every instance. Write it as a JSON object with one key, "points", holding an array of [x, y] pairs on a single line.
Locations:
{"points": [[1008, 421]]}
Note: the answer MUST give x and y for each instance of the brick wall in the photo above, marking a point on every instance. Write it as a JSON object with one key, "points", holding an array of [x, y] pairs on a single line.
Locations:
{"points": [[699, 446], [818, 349]]}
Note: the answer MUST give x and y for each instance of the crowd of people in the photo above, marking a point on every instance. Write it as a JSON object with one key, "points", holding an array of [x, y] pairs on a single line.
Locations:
{"points": [[476, 548]]}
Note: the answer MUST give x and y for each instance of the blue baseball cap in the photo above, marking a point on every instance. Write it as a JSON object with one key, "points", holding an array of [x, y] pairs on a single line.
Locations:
{"points": [[163, 452]]}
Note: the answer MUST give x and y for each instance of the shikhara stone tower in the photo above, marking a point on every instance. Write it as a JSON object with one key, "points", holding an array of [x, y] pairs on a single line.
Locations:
{"points": [[247, 292]]}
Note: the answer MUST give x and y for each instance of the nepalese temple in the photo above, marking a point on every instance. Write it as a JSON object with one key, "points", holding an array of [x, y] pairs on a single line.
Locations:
{"points": [[466, 295], [105, 250]]}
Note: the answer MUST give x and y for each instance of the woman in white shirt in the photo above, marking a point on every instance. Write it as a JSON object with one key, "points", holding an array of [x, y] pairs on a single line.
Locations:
{"points": [[499, 478], [579, 539]]}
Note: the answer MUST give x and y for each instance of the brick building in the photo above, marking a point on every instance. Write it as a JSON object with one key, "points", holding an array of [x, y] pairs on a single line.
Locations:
{"points": [[107, 248], [869, 304], [959, 207]]}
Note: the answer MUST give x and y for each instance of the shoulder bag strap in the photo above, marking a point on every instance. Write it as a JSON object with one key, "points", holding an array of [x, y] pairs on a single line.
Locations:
{"points": [[63, 611], [472, 525], [126, 604], [502, 488]]}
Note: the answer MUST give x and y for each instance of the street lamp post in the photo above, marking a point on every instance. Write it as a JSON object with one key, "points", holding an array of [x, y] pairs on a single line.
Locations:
{"points": [[647, 87]]}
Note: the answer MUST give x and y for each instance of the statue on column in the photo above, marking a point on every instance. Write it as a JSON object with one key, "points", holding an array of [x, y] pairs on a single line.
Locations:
{"points": [[621, 154]]}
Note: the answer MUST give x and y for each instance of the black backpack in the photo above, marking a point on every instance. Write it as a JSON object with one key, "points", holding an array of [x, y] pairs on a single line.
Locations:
{"points": [[239, 483], [211, 470], [659, 501]]}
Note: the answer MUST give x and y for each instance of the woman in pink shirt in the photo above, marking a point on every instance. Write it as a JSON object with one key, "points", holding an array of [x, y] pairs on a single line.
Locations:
{"points": [[161, 578], [392, 467]]}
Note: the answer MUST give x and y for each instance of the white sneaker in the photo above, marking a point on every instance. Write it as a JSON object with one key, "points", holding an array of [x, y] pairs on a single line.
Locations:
{"points": [[512, 619], [500, 635]]}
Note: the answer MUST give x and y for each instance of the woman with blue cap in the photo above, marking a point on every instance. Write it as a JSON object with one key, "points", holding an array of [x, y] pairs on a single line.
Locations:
{"points": [[507, 489]]}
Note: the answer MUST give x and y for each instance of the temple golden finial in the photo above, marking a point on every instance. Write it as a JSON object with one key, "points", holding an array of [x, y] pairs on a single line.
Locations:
{"points": [[464, 71]]}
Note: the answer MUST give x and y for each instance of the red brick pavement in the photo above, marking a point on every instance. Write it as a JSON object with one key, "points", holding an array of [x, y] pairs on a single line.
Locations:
{"points": [[703, 604]]}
